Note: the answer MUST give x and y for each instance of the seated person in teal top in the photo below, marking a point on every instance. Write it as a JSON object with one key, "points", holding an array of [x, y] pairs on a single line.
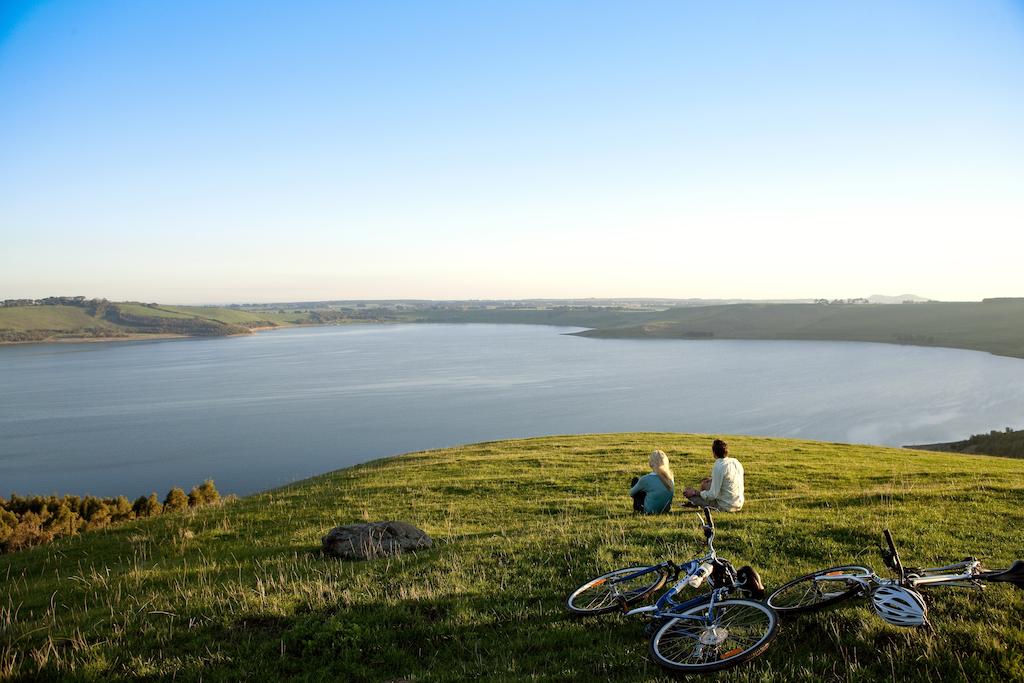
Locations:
{"points": [[652, 493]]}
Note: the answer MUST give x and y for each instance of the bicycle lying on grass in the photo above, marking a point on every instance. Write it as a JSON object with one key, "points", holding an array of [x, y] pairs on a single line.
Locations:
{"points": [[716, 630], [897, 601]]}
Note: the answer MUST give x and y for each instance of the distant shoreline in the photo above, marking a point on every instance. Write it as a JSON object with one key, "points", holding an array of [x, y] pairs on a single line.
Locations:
{"points": [[91, 340], [597, 334], [994, 326]]}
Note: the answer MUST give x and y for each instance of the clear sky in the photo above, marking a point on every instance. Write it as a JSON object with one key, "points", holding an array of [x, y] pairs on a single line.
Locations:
{"points": [[192, 151]]}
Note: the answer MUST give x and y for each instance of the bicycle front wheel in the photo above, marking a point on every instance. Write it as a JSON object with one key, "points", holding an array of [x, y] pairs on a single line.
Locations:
{"points": [[610, 592], [740, 631], [818, 589]]}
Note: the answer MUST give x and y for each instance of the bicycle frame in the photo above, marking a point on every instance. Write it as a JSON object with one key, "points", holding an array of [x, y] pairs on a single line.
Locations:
{"points": [[688, 633], [896, 600], [966, 573], [963, 574], [667, 605]]}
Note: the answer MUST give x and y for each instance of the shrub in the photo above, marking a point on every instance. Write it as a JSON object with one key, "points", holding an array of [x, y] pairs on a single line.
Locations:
{"points": [[121, 510], [25, 522], [147, 507], [209, 492], [175, 500], [27, 533], [8, 520]]}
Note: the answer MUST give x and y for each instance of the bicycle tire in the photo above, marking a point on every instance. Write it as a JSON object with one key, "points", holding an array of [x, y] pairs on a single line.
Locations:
{"points": [[585, 602], [679, 644], [809, 598]]}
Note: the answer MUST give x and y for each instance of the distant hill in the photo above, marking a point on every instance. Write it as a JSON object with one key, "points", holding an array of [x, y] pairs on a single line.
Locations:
{"points": [[1008, 443], [996, 326], [79, 318], [900, 299]]}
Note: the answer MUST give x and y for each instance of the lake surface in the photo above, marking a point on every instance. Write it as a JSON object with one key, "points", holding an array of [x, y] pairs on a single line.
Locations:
{"points": [[255, 412]]}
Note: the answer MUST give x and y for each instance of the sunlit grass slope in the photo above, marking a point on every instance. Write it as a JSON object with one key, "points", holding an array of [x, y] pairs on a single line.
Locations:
{"points": [[132, 319], [238, 316], [62, 318], [240, 592], [216, 313], [993, 326]]}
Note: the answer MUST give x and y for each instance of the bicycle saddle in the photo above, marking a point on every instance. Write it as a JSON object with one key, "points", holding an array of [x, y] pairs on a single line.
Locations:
{"points": [[751, 581], [1014, 575]]}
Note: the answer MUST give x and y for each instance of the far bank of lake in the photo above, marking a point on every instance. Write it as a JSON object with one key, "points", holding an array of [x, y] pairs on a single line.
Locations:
{"points": [[257, 411]]}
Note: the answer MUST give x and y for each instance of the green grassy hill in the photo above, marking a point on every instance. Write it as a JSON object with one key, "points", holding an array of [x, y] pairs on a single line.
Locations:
{"points": [[151, 310], [996, 326], [63, 318], [566, 316], [103, 319], [240, 591], [238, 316]]}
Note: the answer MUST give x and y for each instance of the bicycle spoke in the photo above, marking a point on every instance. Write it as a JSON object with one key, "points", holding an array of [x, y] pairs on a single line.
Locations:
{"points": [[818, 589], [607, 593], [737, 628]]}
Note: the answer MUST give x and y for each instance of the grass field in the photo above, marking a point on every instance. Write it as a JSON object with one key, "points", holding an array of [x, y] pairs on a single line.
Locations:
{"points": [[574, 317], [236, 316], [240, 592], [996, 327], [231, 316], [152, 311], [64, 318], [42, 323]]}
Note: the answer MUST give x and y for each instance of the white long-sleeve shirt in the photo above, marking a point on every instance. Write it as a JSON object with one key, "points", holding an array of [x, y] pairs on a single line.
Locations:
{"points": [[726, 489]]}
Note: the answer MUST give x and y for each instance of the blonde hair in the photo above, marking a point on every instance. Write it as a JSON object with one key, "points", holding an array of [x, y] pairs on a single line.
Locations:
{"points": [[660, 466]]}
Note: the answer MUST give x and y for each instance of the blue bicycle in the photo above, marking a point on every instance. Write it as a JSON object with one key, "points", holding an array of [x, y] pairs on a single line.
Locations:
{"points": [[713, 631]]}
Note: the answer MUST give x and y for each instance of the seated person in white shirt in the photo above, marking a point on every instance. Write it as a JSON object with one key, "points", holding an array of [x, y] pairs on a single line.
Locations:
{"points": [[723, 490]]}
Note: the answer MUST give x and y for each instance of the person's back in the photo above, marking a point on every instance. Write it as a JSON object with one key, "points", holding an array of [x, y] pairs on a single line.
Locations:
{"points": [[723, 490], [728, 495], [658, 496]]}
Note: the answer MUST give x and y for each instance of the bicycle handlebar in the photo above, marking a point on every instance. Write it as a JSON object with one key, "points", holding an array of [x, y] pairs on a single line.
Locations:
{"points": [[892, 560], [709, 528], [888, 539]]}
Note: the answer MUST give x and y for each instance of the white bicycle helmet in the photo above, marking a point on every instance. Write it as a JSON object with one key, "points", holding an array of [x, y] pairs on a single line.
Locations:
{"points": [[900, 606]]}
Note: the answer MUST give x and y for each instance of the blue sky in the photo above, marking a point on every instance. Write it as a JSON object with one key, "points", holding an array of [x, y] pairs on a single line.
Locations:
{"points": [[241, 151]]}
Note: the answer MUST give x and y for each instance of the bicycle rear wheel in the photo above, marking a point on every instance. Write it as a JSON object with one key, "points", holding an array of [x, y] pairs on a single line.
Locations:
{"points": [[741, 630], [816, 590], [609, 592]]}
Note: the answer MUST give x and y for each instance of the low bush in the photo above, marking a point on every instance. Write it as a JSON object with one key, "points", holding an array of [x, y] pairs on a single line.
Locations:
{"points": [[31, 521]]}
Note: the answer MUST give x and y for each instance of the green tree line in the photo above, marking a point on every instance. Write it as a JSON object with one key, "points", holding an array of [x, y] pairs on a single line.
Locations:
{"points": [[1008, 443], [31, 521]]}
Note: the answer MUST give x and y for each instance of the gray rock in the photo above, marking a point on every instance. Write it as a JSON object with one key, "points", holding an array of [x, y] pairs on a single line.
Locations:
{"points": [[374, 539]]}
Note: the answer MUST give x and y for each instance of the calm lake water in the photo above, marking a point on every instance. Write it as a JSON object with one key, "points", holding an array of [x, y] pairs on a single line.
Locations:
{"points": [[259, 411]]}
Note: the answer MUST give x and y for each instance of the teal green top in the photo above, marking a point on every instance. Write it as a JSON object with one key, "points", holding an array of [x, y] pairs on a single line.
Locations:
{"points": [[658, 495]]}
